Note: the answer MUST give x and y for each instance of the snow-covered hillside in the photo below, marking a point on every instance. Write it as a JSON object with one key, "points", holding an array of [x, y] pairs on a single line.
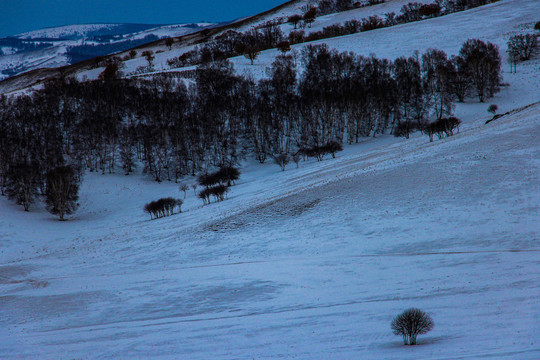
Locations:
{"points": [[299, 7], [44, 58], [495, 23], [61, 39], [69, 31], [310, 263]]}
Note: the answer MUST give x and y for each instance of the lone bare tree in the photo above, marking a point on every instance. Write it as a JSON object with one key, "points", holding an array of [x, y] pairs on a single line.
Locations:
{"points": [[296, 158], [284, 47], [149, 56], [251, 53], [184, 188], [282, 160], [410, 324], [493, 108], [309, 16], [294, 20], [169, 43]]}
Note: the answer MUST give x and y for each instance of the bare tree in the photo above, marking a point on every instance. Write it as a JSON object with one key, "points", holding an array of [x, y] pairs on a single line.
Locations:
{"points": [[149, 56], [296, 36], [22, 184], [437, 76], [309, 16], [410, 323], [219, 192], [460, 79], [184, 188], [332, 147], [294, 19], [521, 48], [442, 127], [493, 108], [282, 160], [169, 43], [524, 45], [284, 47], [483, 63], [513, 58], [410, 12], [111, 72], [251, 53], [204, 195], [296, 158], [62, 191]]}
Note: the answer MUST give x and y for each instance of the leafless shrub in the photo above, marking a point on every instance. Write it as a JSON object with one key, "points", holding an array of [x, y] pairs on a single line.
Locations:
{"points": [[184, 188], [410, 323], [282, 160]]}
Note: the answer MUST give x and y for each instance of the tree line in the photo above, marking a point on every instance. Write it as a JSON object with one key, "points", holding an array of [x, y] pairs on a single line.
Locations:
{"points": [[269, 34], [173, 128]]}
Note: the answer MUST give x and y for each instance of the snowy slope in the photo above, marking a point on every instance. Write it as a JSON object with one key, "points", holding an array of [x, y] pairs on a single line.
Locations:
{"points": [[43, 58], [331, 19], [297, 7], [172, 30], [73, 35], [281, 12], [495, 23], [310, 263], [67, 31]]}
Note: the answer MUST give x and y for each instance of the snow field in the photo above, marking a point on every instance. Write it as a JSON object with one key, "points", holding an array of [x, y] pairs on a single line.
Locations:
{"points": [[312, 266], [310, 263]]}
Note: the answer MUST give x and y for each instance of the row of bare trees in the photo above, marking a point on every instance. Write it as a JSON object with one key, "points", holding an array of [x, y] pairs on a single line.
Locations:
{"points": [[173, 130], [269, 34], [217, 183], [163, 207], [232, 43]]}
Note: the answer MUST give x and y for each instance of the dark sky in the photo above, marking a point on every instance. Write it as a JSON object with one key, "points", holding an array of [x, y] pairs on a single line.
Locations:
{"points": [[17, 16]]}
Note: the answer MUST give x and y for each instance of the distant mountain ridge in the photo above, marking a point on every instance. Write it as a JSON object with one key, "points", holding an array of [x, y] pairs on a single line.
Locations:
{"points": [[72, 57], [74, 32], [66, 45]]}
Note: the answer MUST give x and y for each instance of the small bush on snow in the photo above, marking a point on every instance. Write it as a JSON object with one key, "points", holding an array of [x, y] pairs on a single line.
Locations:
{"points": [[163, 207], [410, 324]]}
